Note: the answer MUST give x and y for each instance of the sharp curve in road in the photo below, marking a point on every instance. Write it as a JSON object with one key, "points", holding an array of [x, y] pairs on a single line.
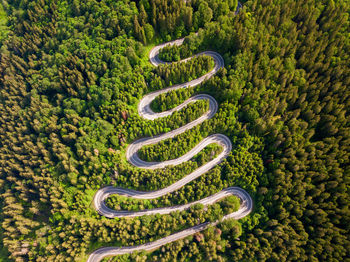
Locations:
{"points": [[145, 111]]}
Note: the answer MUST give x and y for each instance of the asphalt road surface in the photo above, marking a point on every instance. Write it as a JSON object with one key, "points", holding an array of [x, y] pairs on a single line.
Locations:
{"points": [[146, 112]]}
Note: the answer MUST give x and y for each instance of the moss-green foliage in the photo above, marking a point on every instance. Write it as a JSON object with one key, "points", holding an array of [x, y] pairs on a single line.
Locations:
{"points": [[72, 73], [170, 100], [4, 30]]}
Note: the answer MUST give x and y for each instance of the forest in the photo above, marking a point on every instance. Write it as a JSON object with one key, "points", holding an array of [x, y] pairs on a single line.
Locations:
{"points": [[71, 76]]}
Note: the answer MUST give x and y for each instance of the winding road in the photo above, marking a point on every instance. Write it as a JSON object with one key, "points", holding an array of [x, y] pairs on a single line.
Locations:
{"points": [[145, 111]]}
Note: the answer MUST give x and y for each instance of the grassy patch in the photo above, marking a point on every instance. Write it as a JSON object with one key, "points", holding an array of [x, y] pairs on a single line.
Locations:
{"points": [[4, 255], [145, 58], [4, 30]]}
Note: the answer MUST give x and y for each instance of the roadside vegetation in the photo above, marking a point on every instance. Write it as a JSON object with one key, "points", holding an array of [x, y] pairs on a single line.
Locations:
{"points": [[4, 30], [227, 205]]}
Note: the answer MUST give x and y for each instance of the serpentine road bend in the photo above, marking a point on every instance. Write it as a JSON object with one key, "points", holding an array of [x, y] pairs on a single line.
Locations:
{"points": [[146, 112]]}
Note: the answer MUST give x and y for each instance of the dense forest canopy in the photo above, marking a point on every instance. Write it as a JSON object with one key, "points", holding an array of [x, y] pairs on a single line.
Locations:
{"points": [[71, 76]]}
